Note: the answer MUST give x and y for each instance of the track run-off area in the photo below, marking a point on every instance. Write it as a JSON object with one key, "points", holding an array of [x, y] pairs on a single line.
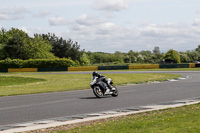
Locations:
{"points": [[57, 105]]}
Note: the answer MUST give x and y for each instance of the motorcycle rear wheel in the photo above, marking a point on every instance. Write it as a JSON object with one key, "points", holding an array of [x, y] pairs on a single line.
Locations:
{"points": [[98, 92], [115, 93]]}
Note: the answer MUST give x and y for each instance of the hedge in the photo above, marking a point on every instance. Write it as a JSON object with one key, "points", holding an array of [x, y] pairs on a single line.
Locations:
{"points": [[37, 63]]}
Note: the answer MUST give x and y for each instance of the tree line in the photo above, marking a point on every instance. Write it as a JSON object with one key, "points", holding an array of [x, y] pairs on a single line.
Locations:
{"points": [[16, 44], [152, 57]]}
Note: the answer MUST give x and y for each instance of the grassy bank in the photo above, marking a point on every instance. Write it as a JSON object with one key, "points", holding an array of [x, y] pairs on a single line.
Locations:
{"points": [[169, 69], [13, 80], [177, 120], [67, 82]]}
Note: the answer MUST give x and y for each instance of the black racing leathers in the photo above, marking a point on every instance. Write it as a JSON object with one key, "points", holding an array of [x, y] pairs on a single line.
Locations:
{"points": [[103, 78]]}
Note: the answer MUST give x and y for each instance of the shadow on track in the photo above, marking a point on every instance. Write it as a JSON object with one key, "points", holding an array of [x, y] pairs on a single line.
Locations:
{"points": [[95, 97]]}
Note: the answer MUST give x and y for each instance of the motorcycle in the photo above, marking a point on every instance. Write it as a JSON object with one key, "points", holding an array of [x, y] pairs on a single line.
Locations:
{"points": [[99, 88]]}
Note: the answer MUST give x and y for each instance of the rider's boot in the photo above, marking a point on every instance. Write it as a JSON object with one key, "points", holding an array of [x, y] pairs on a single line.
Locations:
{"points": [[111, 87], [107, 91]]}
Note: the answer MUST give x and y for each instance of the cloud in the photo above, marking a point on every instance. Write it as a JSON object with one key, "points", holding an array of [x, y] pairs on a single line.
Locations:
{"points": [[13, 13], [198, 11], [95, 33], [89, 20], [144, 23], [4, 16], [177, 36], [196, 22], [110, 37], [28, 31], [42, 14], [58, 21], [32, 31], [111, 5]]}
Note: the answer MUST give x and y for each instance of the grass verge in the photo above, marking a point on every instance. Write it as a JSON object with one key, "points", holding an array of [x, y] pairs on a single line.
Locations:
{"points": [[168, 69], [184, 119], [69, 82], [13, 80]]}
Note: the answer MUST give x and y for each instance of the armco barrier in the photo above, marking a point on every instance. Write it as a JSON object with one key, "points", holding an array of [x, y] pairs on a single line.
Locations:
{"points": [[154, 66], [197, 65], [174, 65], [192, 65], [112, 67], [93, 68], [22, 69], [183, 65], [52, 69], [3, 70], [83, 68]]}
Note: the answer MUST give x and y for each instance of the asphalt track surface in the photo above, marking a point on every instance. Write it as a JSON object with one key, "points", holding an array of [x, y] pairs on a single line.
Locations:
{"points": [[27, 108]]}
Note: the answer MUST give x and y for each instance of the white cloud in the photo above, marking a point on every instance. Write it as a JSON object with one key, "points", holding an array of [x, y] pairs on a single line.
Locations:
{"points": [[198, 11], [177, 36], [110, 37], [13, 13], [32, 31], [196, 22], [107, 28], [42, 14], [100, 34], [4, 16], [144, 23], [111, 5], [89, 20], [58, 21]]}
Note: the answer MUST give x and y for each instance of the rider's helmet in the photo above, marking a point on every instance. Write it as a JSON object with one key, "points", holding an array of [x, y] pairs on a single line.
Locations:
{"points": [[95, 74]]}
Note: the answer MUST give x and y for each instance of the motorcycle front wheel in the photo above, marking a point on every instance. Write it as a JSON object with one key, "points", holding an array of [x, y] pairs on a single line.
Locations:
{"points": [[98, 92]]}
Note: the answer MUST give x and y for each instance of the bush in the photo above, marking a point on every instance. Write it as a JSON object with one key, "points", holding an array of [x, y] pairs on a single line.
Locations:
{"points": [[172, 54], [8, 63], [37, 63]]}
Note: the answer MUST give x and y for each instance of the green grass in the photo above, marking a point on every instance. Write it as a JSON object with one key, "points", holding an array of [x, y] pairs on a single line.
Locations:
{"points": [[13, 80], [68, 82], [161, 69], [177, 120], [169, 69]]}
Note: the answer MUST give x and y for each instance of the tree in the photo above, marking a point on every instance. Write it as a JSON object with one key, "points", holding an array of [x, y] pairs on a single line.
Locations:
{"points": [[3, 53], [85, 59], [172, 54], [156, 50], [127, 58], [2, 36], [63, 48], [74, 52], [133, 56], [193, 55], [119, 57], [39, 49], [156, 58], [157, 55], [18, 45], [140, 58], [184, 57], [147, 55], [198, 49]]}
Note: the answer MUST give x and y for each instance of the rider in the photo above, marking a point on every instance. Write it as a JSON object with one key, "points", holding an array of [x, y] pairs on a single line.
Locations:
{"points": [[103, 78]]}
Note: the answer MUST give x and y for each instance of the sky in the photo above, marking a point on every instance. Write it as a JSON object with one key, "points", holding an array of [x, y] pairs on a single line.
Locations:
{"points": [[109, 25]]}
